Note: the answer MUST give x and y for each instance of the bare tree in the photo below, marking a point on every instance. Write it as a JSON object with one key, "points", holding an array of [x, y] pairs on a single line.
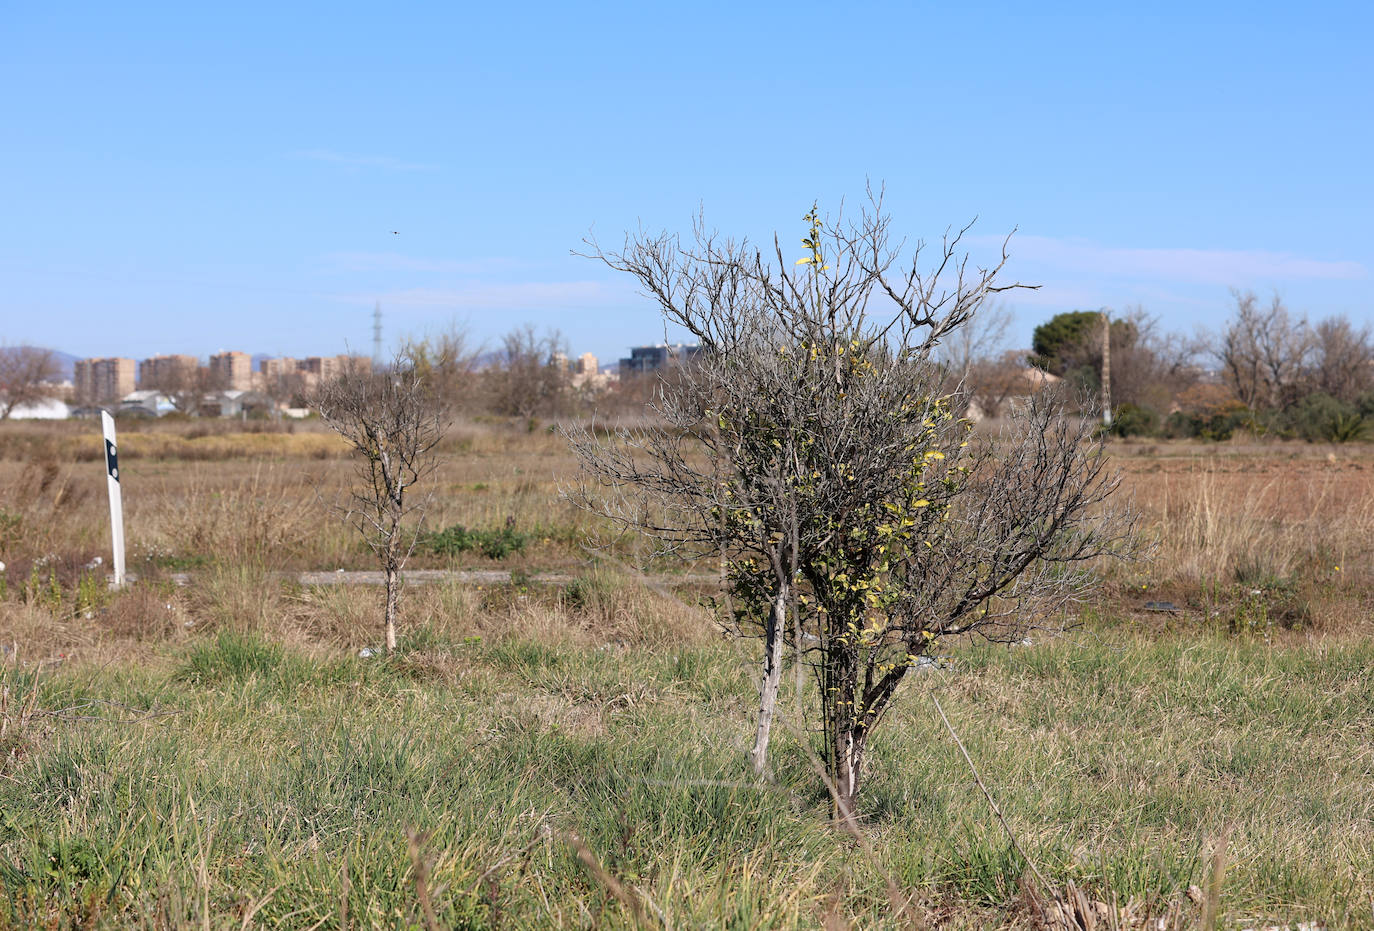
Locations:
{"points": [[446, 362], [1150, 368], [531, 375], [992, 382], [286, 389], [185, 385], [1264, 352], [1342, 359], [815, 446], [26, 376], [391, 421], [983, 339]]}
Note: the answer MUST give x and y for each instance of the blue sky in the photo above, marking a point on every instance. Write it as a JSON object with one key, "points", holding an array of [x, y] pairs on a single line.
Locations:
{"points": [[193, 177]]}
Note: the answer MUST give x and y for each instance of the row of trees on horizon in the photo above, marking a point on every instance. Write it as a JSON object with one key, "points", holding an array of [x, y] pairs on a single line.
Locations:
{"points": [[1268, 371]]}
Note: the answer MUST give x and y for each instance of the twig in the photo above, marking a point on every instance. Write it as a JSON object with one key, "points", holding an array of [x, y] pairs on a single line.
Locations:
{"points": [[899, 902], [496, 867], [343, 895], [421, 871], [1211, 905], [603, 876], [992, 802]]}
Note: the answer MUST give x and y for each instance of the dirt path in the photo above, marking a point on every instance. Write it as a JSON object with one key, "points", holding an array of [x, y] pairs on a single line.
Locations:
{"points": [[431, 576]]}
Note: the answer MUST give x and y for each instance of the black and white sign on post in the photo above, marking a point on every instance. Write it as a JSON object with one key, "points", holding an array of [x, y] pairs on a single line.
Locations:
{"points": [[116, 502]]}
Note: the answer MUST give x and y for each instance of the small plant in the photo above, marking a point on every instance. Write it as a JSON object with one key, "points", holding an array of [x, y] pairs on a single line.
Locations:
{"points": [[588, 594], [1346, 428], [33, 585], [54, 593], [90, 594], [1251, 613], [11, 528], [493, 544]]}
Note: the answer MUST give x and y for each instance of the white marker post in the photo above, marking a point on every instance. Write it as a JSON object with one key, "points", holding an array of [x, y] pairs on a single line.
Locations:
{"points": [[116, 501]]}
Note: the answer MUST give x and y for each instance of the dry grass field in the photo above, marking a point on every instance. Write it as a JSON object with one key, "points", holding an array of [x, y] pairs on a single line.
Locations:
{"points": [[208, 748]]}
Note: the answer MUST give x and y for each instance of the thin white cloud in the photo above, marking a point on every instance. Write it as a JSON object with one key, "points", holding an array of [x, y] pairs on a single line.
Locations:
{"points": [[1236, 267], [348, 160]]}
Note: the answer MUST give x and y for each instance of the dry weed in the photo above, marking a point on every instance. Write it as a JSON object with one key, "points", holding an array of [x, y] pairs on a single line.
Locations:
{"points": [[347, 616], [34, 631], [242, 599]]}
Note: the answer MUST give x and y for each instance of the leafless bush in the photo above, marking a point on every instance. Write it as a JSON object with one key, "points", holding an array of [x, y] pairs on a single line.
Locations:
{"points": [[1264, 352], [1342, 360], [816, 451], [528, 379], [447, 363]]}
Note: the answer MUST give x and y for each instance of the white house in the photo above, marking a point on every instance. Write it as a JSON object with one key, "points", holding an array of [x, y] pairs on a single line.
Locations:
{"points": [[46, 409]]}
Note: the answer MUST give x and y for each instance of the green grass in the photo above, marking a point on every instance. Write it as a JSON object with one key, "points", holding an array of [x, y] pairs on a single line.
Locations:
{"points": [[292, 785]]}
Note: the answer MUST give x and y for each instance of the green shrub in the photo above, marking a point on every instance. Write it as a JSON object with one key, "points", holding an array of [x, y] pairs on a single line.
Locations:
{"points": [[1134, 420], [1217, 424], [493, 544], [1365, 404], [1320, 418]]}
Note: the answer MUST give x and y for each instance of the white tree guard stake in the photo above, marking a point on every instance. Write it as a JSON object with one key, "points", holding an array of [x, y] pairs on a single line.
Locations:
{"points": [[116, 501]]}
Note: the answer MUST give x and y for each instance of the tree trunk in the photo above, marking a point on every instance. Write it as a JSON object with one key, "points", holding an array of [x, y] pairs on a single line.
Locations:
{"points": [[844, 736], [772, 677], [848, 762], [393, 597]]}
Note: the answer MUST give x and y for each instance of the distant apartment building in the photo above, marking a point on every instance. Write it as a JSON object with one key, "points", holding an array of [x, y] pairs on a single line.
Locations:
{"points": [[278, 368], [653, 358], [586, 373], [168, 371], [327, 367], [310, 371], [98, 380], [231, 371]]}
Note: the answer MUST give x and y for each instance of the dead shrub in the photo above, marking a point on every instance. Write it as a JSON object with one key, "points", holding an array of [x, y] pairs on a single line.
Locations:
{"points": [[340, 615], [258, 519], [34, 631], [146, 612], [243, 599], [593, 609]]}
